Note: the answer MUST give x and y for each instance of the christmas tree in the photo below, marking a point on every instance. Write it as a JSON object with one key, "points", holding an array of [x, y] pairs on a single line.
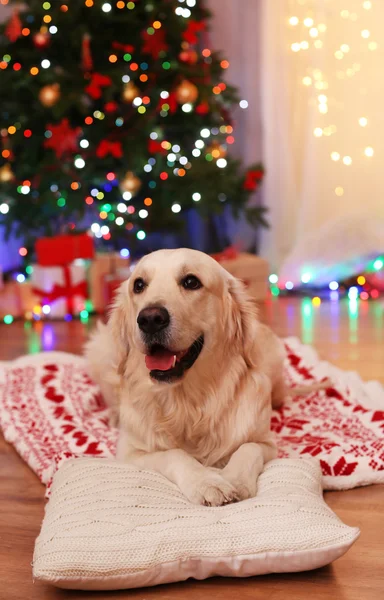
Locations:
{"points": [[115, 117]]}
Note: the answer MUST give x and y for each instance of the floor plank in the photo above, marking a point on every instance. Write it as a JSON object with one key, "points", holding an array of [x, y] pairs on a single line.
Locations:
{"points": [[350, 337]]}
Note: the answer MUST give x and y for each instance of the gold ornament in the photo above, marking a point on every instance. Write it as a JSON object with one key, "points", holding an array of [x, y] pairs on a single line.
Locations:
{"points": [[49, 95], [186, 92], [217, 150], [130, 183], [6, 173], [130, 91]]}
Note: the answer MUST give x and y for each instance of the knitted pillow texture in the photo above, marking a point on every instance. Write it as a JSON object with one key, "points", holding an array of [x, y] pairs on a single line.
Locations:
{"points": [[109, 526]]}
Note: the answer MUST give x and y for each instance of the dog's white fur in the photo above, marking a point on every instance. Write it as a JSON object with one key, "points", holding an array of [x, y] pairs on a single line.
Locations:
{"points": [[209, 433]]}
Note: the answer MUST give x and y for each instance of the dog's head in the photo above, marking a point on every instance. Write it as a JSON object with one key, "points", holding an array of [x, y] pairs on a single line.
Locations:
{"points": [[180, 308]]}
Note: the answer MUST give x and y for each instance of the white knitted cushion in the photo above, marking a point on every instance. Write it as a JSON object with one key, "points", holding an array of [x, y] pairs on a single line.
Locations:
{"points": [[111, 526]]}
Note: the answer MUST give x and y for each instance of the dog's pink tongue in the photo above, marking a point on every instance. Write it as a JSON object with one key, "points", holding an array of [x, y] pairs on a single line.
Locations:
{"points": [[162, 360]]}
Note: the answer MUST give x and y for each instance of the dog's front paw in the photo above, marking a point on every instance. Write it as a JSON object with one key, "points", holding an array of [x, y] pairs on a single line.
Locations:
{"points": [[211, 489], [245, 487]]}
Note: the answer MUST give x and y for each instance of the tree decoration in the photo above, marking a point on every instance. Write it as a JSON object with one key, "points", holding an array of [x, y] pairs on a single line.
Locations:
{"points": [[252, 179], [193, 28], [96, 85], [155, 147], [217, 150], [130, 91], [130, 183], [189, 56], [202, 108], [186, 91], [170, 102], [14, 27], [111, 107], [49, 94], [41, 40], [6, 173], [123, 47], [86, 56], [154, 43], [63, 139], [107, 147]]}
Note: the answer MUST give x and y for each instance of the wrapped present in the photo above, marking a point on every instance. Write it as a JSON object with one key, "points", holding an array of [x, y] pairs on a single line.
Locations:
{"points": [[17, 299], [10, 300], [251, 269], [63, 249], [103, 272], [63, 288]]}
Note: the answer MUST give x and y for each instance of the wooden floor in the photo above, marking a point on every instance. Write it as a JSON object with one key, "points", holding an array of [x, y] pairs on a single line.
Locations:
{"points": [[349, 336]]}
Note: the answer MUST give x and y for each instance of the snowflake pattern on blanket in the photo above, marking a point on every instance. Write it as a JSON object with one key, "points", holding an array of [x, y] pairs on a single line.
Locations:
{"points": [[50, 410]]}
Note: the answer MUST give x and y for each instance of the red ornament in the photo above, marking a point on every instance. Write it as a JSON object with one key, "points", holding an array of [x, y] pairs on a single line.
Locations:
{"points": [[106, 147], [155, 147], [86, 56], [110, 107], [171, 101], [14, 27], [41, 40], [252, 180], [188, 56], [202, 108], [190, 34], [63, 139], [155, 43], [98, 81]]}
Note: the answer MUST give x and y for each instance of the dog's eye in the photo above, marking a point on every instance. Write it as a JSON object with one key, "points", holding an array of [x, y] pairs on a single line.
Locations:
{"points": [[138, 285], [190, 282]]}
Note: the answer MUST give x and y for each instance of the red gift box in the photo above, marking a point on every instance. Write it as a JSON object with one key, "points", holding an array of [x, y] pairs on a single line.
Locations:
{"points": [[63, 249]]}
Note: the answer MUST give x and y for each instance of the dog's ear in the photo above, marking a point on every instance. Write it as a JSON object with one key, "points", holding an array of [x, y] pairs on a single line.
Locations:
{"points": [[118, 325], [244, 323]]}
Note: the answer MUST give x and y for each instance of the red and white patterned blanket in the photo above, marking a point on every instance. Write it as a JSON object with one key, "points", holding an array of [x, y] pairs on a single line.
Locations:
{"points": [[50, 410]]}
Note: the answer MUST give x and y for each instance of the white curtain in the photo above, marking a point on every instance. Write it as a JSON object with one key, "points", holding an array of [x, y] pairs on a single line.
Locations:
{"points": [[322, 88]]}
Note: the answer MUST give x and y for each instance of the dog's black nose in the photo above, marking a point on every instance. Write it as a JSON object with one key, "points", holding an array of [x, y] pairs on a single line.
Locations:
{"points": [[153, 319]]}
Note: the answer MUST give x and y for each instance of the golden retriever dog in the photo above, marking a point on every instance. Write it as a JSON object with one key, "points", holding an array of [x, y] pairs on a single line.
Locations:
{"points": [[192, 373]]}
